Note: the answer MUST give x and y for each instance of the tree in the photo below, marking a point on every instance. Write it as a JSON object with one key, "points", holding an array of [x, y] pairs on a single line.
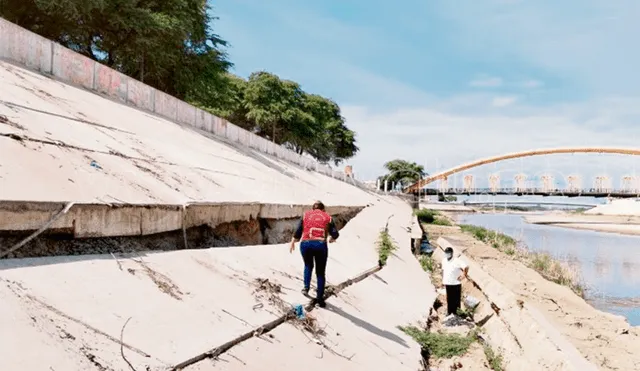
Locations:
{"points": [[226, 100], [333, 141], [277, 108], [402, 172], [170, 45], [167, 44]]}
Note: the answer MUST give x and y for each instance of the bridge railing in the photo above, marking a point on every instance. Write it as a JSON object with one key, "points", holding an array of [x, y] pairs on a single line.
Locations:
{"points": [[524, 191]]}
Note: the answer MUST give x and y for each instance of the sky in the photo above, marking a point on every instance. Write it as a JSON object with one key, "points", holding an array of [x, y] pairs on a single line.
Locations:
{"points": [[443, 82]]}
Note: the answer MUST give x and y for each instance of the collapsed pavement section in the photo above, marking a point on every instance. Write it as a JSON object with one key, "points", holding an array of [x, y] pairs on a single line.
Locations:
{"points": [[181, 303]]}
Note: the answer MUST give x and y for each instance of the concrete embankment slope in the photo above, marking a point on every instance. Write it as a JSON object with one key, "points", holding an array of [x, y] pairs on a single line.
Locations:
{"points": [[61, 143], [131, 171], [537, 322], [527, 340], [70, 310]]}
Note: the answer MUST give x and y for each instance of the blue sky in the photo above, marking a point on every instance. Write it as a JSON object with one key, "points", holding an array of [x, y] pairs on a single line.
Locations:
{"points": [[441, 82]]}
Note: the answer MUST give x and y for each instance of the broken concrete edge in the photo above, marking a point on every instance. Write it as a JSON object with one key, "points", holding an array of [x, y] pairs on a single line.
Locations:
{"points": [[269, 326], [86, 220], [416, 228], [547, 347]]}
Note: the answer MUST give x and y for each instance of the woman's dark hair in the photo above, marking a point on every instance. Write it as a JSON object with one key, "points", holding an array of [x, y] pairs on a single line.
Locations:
{"points": [[318, 205], [448, 250]]}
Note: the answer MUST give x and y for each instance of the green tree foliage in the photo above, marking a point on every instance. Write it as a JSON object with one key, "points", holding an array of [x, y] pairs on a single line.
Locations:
{"points": [[402, 172], [169, 44]]}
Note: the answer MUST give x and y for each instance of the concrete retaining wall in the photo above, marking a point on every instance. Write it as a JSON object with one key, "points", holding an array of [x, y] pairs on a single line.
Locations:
{"points": [[103, 220], [25, 48], [542, 345]]}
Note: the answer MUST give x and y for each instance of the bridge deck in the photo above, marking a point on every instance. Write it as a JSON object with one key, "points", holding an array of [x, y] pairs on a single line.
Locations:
{"points": [[533, 192]]}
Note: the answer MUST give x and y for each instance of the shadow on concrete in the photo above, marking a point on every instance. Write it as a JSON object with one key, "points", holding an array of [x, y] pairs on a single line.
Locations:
{"points": [[367, 326], [8, 264]]}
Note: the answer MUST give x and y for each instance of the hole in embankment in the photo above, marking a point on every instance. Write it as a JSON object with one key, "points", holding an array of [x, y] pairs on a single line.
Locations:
{"points": [[255, 231]]}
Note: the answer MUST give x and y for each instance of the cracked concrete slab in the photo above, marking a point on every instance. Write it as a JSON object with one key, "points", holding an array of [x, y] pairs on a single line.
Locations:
{"points": [[202, 298], [137, 157]]}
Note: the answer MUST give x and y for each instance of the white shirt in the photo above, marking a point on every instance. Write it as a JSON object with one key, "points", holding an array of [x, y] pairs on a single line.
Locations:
{"points": [[451, 270]]}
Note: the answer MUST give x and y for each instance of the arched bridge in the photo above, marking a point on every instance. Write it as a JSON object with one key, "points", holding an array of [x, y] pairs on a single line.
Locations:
{"points": [[537, 152]]}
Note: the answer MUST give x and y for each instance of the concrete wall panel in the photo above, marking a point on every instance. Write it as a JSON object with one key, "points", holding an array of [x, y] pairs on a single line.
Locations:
{"points": [[220, 126], [72, 67], [277, 211], [185, 113], [254, 141], [244, 137], [165, 105], [140, 95], [160, 219], [232, 132], [5, 32], [215, 214], [32, 51], [271, 148], [24, 47], [27, 216], [103, 220], [111, 82], [264, 145], [204, 120]]}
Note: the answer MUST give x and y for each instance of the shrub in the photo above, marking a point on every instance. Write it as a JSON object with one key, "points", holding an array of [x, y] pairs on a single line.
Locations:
{"points": [[496, 239], [386, 246], [543, 263], [426, 215], [494, 360], [427, 263], [438, 344]]}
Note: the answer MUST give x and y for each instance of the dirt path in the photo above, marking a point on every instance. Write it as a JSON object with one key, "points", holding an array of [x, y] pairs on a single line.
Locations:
{"points": [[605, 339]]}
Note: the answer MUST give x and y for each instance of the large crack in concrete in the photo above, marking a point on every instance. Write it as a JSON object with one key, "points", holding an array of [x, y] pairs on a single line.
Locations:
{"points": [[235, 233]]}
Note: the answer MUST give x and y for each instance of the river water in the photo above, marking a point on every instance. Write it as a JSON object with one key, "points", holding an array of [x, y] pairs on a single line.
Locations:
{"points": [[609, 263]]}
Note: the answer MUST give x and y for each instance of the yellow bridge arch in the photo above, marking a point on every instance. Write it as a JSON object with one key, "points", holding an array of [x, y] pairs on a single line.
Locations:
{"points": [[537, 152]]}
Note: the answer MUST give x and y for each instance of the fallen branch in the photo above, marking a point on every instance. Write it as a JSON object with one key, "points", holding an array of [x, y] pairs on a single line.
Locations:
{"points": [[122, 345]]}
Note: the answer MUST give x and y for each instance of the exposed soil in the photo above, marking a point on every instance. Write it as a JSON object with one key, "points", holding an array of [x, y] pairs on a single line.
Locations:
{"points": [[236, 233]]}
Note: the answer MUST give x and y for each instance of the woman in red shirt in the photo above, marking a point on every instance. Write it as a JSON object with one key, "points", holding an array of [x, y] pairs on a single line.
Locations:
{"points": [[315, 229]]}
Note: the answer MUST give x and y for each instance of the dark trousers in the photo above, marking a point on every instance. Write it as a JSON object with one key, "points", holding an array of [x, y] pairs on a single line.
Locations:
{"points": [[318, 252], [454, 296]]}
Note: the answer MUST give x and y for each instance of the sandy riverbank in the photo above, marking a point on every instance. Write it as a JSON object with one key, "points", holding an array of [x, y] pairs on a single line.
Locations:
{"points": [[619, 216], [623, 224], [604, 339]]}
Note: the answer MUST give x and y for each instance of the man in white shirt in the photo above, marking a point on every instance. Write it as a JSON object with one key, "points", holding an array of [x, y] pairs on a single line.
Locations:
{"points": [[453, 270]]}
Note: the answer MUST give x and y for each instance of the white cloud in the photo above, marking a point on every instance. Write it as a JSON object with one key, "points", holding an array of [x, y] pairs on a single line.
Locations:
{"points": [[503, 101], [532, 84], [486, 82], [440, 139]]}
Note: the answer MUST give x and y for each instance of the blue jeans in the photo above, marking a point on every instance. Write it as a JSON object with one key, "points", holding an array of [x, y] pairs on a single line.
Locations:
{"points": [[319, 252]]}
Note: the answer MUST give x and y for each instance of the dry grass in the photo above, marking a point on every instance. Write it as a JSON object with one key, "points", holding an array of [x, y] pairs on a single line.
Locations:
{"points": [[548, 267]]}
